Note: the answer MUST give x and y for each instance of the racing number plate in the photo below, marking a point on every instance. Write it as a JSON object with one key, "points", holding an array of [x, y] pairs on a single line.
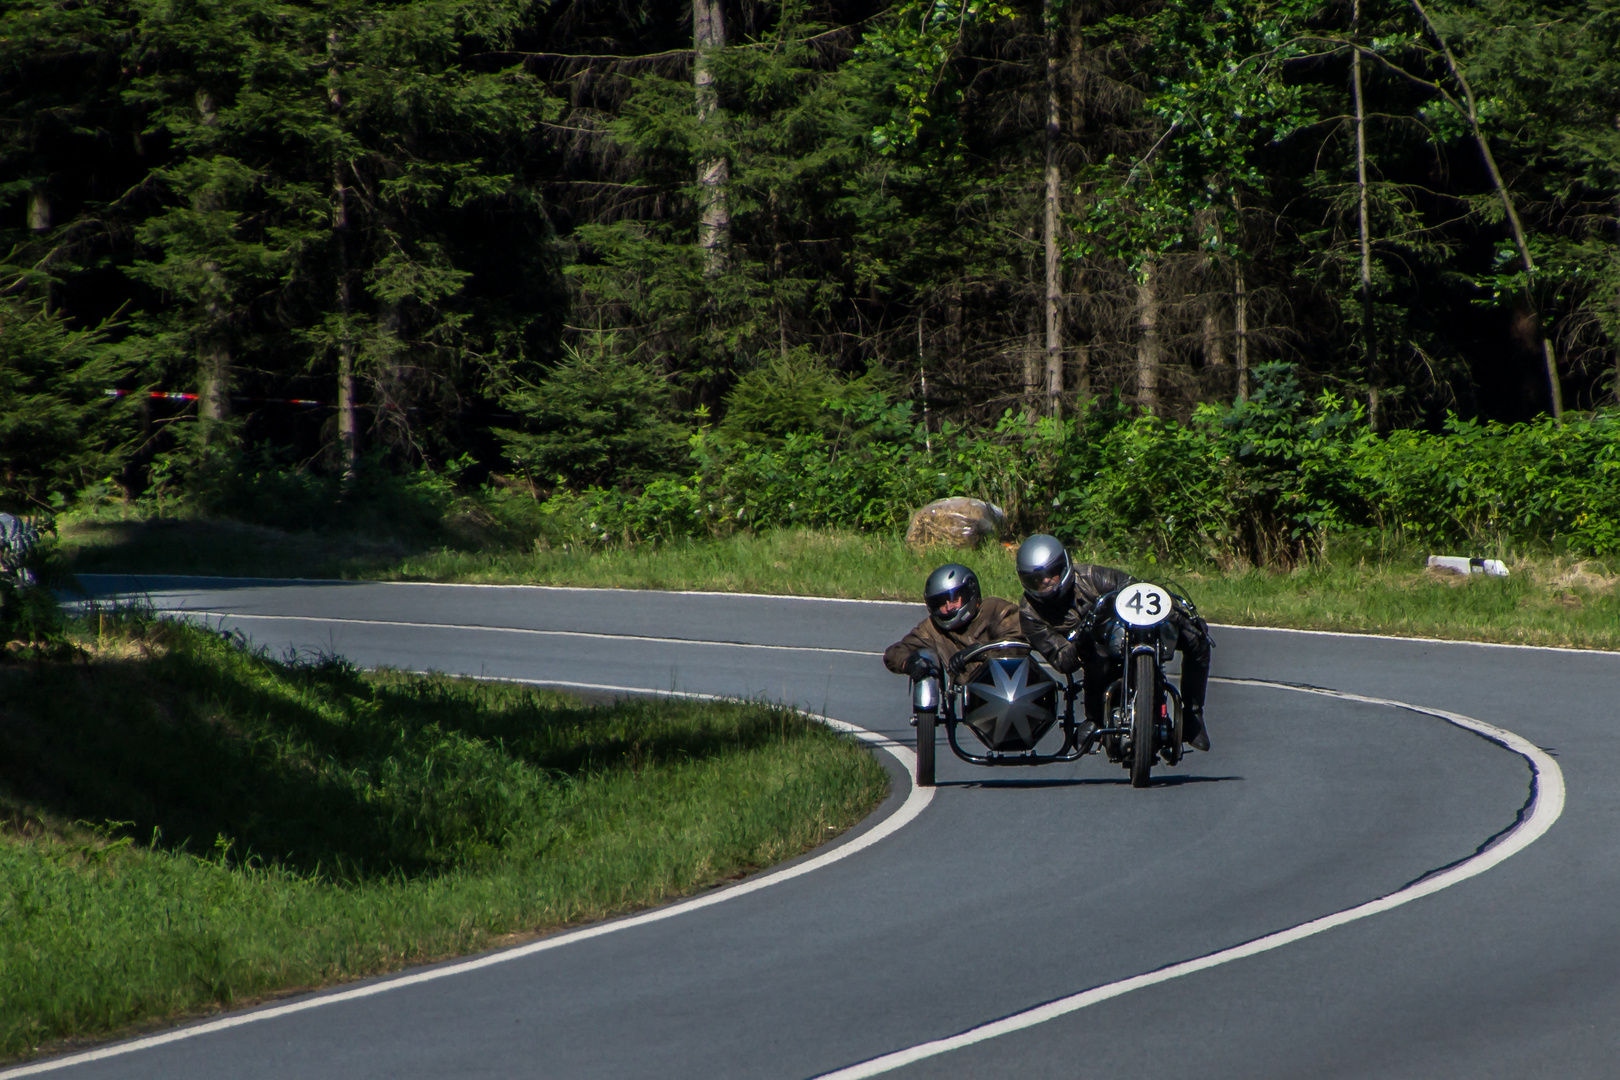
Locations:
{"points": [[1142, 604]]}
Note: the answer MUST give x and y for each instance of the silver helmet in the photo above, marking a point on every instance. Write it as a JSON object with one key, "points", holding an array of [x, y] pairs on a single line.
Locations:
{"points": [[950, 581], [1044, 568]]}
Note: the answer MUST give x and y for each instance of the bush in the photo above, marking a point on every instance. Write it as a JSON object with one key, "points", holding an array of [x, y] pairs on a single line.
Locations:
{"points": [[595, 419], [255, 484], [30, 571], [1263, 482]]}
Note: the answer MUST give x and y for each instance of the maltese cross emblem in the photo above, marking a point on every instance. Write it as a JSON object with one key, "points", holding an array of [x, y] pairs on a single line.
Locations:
{"points": [[1013, 704]]}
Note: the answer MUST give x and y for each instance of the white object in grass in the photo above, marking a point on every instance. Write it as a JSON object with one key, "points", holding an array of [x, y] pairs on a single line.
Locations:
{"points": [[1462, 565]]}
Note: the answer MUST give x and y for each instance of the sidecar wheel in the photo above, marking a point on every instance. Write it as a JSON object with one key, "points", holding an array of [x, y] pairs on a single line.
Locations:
{"points": [[926, 722], [1144, 718]]}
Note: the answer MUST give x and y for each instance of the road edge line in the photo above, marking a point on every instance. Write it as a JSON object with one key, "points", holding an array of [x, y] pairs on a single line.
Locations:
{"points": [[1547, 805], [916, 800], [269, 582]]}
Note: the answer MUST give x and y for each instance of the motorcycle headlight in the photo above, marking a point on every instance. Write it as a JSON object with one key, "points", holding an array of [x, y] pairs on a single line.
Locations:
{"points": [[1116, 639]]}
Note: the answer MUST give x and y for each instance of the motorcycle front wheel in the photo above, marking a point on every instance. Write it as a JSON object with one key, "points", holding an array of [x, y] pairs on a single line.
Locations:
{"points": [[1144, 717], [925, 748]]}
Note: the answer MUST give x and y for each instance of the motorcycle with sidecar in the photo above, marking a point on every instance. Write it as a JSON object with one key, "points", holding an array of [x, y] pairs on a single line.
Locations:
{"points": [[1010, 699]]}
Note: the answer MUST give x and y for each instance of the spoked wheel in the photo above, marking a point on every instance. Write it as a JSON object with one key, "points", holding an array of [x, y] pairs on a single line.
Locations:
{"points": [[1144, 717], [1177, 714], [926, 722]]}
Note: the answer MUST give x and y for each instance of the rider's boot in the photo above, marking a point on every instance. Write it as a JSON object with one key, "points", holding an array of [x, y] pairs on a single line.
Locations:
{"points": [[1195, 735], [1086, 735]]}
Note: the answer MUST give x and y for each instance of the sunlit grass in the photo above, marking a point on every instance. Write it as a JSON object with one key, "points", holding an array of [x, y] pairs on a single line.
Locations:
{"points": [[1547, 600], [185, 824]]}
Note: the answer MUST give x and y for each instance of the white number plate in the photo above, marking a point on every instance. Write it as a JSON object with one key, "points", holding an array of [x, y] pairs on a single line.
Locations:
{"points": [[1142, 604]]}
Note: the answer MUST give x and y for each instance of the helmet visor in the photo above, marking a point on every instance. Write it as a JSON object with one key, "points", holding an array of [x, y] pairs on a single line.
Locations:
{"points": [[947, 604], [1044, 581]]}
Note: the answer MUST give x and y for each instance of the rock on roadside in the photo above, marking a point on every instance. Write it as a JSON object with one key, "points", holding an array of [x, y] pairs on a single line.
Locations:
{"points": [[955, 522]]}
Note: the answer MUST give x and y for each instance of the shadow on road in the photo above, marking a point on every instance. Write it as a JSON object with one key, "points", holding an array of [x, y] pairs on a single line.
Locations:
{"points": [[1097, 781]]}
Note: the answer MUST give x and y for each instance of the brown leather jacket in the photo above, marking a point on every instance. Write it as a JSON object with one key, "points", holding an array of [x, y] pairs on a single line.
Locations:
{"points": [[997, 620], [1048, 626]]}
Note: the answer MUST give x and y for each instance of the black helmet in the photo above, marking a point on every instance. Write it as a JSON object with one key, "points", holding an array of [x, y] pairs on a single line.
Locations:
{"points": [[950, 580], [1040, 559]]}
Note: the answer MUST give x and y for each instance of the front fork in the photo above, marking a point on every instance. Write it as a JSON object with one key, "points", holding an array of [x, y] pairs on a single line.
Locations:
{"points": [[1118, 702]]}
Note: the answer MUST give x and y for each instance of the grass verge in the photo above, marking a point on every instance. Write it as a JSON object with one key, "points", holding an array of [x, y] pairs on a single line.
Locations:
{"points": [[187, 824], [1547, 600]]}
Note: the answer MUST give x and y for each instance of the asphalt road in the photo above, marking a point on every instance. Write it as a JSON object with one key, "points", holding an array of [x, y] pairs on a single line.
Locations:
{"points": [[1018, 887]]}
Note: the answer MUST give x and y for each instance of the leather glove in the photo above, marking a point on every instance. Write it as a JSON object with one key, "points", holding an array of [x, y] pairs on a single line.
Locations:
{"points": [[920, 667]]}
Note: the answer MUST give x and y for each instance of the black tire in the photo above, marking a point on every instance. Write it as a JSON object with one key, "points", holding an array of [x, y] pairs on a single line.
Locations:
{"points": [[1144, 717], [1173, 753], [925, 749]]}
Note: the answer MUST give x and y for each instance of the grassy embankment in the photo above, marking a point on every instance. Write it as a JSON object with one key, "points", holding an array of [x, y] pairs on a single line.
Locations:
{"points": [[185, 824], [1548, 600]]}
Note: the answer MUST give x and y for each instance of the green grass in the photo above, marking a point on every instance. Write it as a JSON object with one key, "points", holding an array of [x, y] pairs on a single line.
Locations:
{"points": [[186, 824], [1547, 600]]}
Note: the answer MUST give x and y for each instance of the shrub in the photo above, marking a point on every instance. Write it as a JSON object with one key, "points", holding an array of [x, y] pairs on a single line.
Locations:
{"points": [[595, 419], [30, 571], [1264, 482]]}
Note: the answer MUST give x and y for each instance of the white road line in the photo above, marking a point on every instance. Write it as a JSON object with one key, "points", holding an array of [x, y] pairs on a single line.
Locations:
{"points": [[1594, 651], [202, 587], [1546, 806], [498, 585], [514, 630], [673, 592], [916, 800]]}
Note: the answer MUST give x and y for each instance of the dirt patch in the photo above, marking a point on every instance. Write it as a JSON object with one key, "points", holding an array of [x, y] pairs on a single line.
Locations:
{"points": [[1562, 574], [1439, 575]]}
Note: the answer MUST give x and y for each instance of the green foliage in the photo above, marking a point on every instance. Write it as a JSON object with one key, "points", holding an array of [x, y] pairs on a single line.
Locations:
{"points": [[227, 479], [1271, 481], [919, 42], [275, 197], [32, 570], [594, 419], [271, 825], [798, 394], [59, 432], [1267, 482]]}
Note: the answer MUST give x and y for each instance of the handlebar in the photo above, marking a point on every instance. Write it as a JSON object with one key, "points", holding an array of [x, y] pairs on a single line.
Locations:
{"points": [[962, 659]]}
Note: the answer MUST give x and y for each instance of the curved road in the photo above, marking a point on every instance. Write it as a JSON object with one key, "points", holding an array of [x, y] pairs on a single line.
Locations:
{"points": [[1018, 887]]}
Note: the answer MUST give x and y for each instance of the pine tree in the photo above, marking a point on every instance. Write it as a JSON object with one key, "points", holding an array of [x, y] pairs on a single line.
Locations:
{"points": [[336, 162]]}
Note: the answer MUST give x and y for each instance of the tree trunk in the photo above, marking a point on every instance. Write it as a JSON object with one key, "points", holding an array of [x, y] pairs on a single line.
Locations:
{"points": [[1032, 379], [1240, 329], [39, 212], [214, 365], [713, 173], [1214, 339], [1369, 339], [214, 378], [348, 427], [922, 377], [1471, 114], [1080, 365], [1054, 270], [1148, 345], [39, 223]]}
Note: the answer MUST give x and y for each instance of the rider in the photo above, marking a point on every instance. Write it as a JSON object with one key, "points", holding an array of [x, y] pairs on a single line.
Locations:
{"points": [[1058, 595], [957, 619]]}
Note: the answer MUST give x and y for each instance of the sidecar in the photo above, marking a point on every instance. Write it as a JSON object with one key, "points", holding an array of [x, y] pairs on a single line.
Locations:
{"points": [[1007, 698]]}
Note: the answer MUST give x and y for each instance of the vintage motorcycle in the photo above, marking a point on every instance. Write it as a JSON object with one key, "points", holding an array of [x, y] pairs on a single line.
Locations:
{"points": [[1010, 698]]}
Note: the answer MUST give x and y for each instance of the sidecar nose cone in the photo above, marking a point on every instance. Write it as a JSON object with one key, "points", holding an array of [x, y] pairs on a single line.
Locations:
{"points": [[1011, 704]]}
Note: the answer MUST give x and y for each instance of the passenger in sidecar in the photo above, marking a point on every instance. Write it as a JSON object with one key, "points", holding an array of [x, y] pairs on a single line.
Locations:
{"points": [[958, 618]]}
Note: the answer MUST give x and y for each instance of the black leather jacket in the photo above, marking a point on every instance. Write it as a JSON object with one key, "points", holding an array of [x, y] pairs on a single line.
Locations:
{"points": [[1048, 626]]}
